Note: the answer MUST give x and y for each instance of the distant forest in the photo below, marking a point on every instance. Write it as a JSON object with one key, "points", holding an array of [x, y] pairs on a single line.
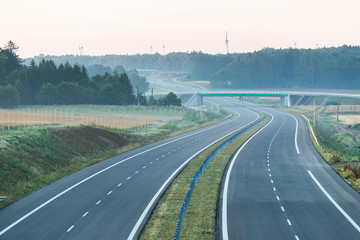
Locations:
{"points": [[47, 83], [268, 68]]}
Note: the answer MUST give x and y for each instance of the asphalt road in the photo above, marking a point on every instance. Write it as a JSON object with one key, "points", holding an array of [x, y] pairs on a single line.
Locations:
{"points": [[112, 199], [278, 187]]}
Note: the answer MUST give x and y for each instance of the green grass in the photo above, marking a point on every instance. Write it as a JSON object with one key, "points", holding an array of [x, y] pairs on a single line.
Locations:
{"points": [[199, 221]]}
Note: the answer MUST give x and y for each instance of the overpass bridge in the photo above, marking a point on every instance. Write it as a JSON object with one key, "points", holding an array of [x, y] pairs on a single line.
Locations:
{"points": [[287, 98]]}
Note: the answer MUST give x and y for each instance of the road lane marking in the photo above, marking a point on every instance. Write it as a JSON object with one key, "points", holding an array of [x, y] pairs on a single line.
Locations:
{"points": [[288, 222], [271, 181], [274, 189], [85, 214], [311, 129], [282, 209], [277, 197], [151, 163], [98, 202], [225, 235], [297, 238], [136, 172], [128, 178], [269, 174], [334, 202], [70, 228], [163, 156], [119, 184], [296, 134], [144, 166], [109, 193]]}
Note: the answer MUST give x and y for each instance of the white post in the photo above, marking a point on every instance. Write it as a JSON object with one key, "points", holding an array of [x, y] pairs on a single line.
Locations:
{"points": [[24, 117], [55, 117], [8, 120], [314, 114]]}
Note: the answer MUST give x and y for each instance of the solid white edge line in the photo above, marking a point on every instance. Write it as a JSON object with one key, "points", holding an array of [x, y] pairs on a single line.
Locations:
{"points": [[334, 202], [148, 207], [311, 129], [103, 170], [225, 235], [296, 134]]}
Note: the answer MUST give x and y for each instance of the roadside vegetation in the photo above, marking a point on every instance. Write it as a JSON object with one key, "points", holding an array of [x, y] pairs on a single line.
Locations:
{"points": [[200, 218], [337, 128], [38, 155]]}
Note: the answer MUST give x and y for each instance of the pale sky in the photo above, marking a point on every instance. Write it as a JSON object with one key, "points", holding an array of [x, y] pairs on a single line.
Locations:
{"points": [[132, 26]]}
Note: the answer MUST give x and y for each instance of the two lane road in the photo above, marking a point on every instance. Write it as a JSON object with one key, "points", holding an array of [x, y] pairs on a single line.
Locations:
{"points": [[278, 187]]}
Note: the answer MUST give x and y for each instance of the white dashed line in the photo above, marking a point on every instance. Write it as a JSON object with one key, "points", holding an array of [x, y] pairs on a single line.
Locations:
{"points": [[144, 166], [98, 202], [289, 222], [269, 169], [277, 197], [163, 156], [269, 174], [271, 181], [157, 159], [136, 172], [151, 163], [169, 153], [109, 193], [296, 237], [128, 178], [119, 184], [70, 228], [282, 209], [274, 189], [85, 214]]}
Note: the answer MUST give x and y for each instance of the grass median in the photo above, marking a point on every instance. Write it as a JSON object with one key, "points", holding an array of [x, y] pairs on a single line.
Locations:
{"points": [[199, 221]]}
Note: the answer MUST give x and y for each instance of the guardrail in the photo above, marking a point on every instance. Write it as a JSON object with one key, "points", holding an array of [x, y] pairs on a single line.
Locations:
{"points": [[201, 170]]}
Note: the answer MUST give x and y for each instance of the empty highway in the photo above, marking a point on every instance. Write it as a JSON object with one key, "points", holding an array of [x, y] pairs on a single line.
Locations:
{"points": [[278, 187]]}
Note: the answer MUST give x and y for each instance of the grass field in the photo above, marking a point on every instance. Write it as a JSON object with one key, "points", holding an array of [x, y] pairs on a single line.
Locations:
{"points": [[122, 117]]}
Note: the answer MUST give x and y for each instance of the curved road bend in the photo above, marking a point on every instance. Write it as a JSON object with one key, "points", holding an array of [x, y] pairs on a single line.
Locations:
{"points": [[107, 200], [275, 191]]}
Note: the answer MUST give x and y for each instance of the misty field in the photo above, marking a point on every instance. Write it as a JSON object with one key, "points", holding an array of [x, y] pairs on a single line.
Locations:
{"points": [[122, 117]]}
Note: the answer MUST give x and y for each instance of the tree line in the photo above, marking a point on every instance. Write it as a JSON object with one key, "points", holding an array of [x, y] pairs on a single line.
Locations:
{"points": [[281, 68], [335, 67], [47, 83]]}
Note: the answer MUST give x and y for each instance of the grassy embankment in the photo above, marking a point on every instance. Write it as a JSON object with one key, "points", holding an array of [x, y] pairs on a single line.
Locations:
{"points": [[35, 156], [339, 141], [199, 221]]}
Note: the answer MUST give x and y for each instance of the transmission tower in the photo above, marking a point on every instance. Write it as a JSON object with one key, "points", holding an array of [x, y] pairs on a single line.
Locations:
{"points": [[227, 43]]}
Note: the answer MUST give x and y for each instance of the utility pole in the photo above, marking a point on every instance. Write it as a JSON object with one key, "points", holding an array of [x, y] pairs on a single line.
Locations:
{"points": [[314, 114]]}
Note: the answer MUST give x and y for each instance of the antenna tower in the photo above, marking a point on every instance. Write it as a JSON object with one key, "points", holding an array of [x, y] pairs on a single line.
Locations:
{"points": [[227, 43]]}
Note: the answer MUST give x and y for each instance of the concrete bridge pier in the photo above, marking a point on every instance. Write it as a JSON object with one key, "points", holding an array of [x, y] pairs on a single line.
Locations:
{"points": [[241, 99]]}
